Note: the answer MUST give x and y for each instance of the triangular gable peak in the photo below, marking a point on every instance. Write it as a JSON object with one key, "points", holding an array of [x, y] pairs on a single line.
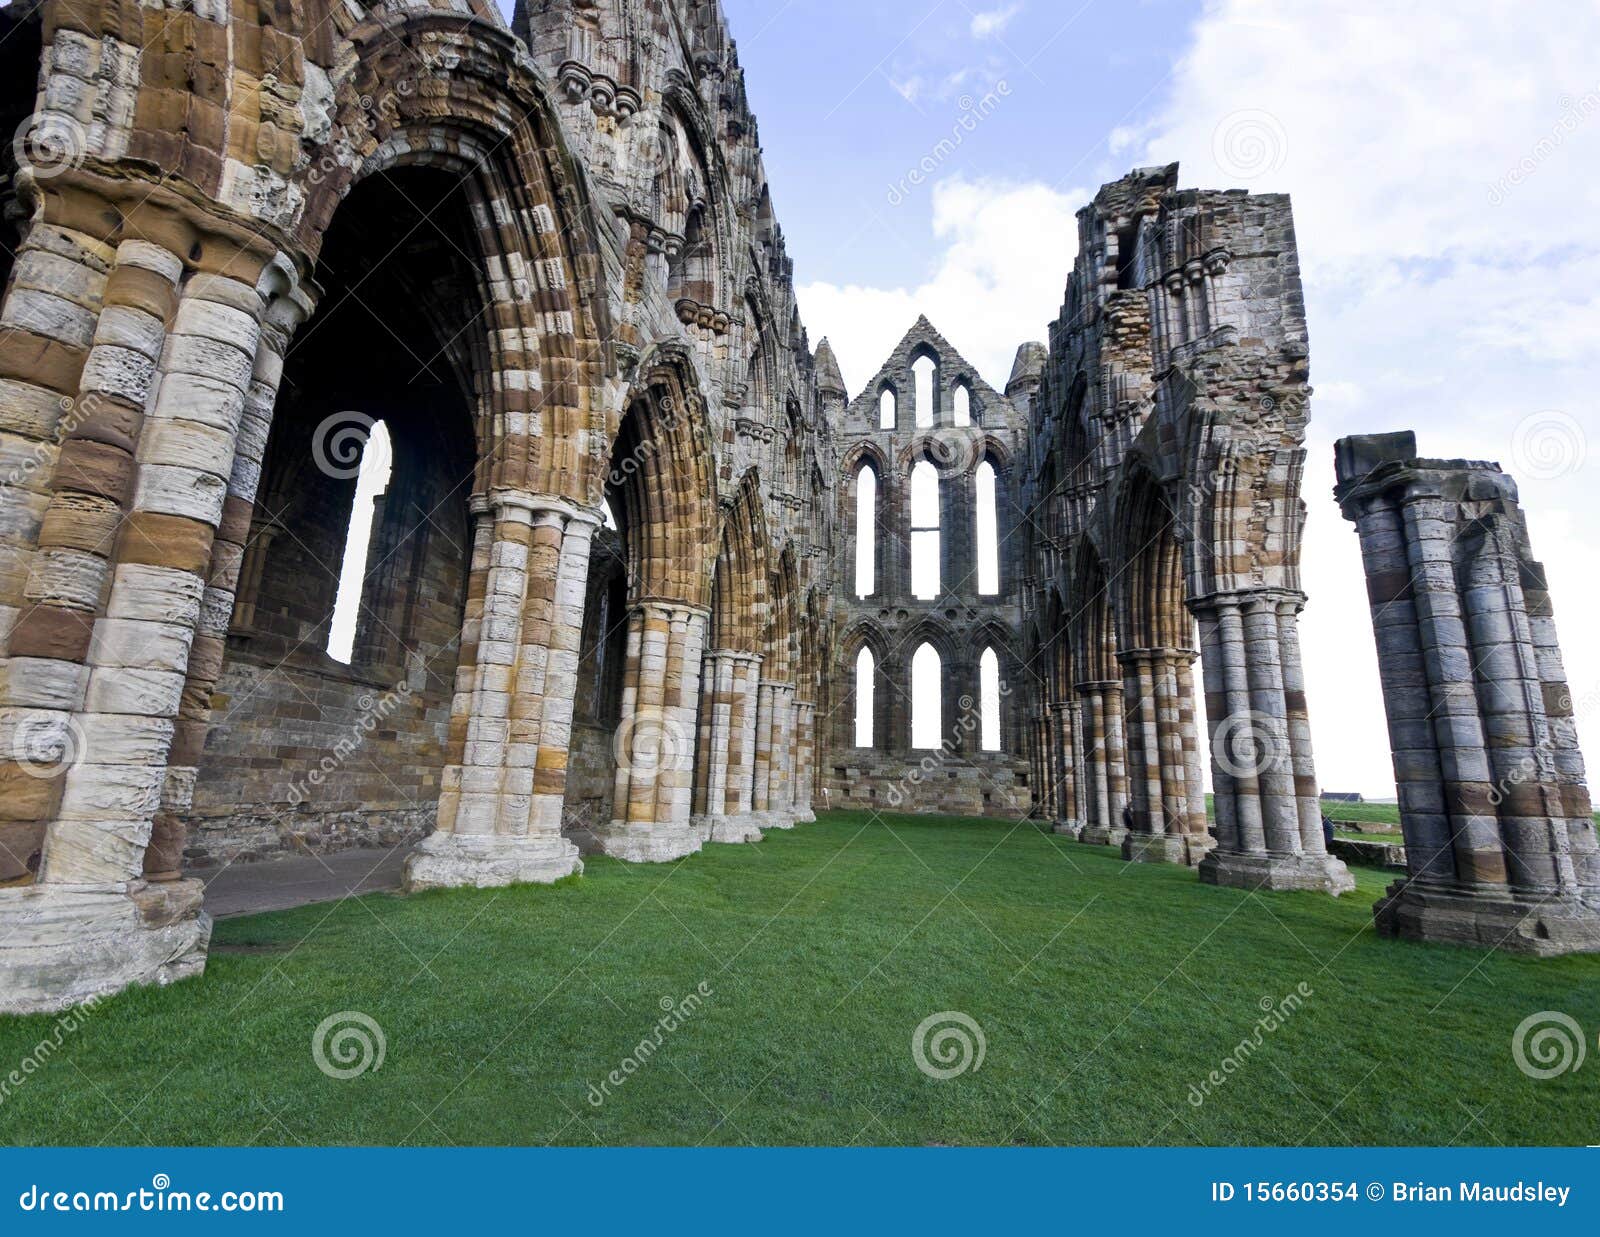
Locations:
{"points": [[924, 339]]}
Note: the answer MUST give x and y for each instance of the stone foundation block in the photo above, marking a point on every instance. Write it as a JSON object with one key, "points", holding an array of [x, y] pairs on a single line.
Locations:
{"points": [[61, 945], [1242, 871], [489, 861], [647, 843], [1100, 835], [744, 828], [1415, 911]]}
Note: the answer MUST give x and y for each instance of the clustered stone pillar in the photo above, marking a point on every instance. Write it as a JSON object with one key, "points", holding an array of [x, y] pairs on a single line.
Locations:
{"points": [[500, 801], [1063, 787], [1104, 762], [1166, 795], [1501, 849], [652, 803], [774, 784], [1268, 813], [805, 754], [119, 576], [725, 792]]}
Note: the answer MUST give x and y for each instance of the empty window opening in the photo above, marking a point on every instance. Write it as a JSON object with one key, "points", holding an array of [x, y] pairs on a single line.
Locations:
{"points": [[927, 720], [887, 411], [924, 370], [864, 672], [924, 531], [866, 531], [989, 700], [962, 405], [988, 530], [377, 459]]}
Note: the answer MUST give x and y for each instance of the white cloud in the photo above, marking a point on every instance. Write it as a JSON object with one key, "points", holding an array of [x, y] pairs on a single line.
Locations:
{"points": [[1441, 167], [990, 23], [1003, 253], [1441, 163]]}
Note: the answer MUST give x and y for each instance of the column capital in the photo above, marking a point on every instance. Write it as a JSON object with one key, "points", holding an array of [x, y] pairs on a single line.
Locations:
{"points": [[539, 507], [671, 608]]}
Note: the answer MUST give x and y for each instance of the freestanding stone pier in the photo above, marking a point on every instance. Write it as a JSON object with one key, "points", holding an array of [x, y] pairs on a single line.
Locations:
{"points": [[1500, 844]]}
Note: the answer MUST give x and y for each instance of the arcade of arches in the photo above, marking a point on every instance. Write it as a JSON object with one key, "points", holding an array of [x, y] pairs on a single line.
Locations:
{"points": [[641, 575]]}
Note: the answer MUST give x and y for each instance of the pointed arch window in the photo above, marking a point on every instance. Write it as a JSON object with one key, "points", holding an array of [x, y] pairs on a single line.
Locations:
{"points": [[924, 531], [887, 410], [927, 705], [865, 668], [985, 482], [989, 700], [377, 459], [924, 369], [866, 530], [961, 405]]}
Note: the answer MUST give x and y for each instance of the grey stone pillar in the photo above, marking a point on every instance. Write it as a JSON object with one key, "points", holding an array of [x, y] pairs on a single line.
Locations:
{"points": [[1500, 845]]}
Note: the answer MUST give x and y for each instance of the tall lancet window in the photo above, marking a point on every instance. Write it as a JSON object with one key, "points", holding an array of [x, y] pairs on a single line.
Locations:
{"points": [[924, 531]]}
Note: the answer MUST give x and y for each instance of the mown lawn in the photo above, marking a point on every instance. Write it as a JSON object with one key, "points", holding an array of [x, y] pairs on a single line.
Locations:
{"points": [[1104, 993]]}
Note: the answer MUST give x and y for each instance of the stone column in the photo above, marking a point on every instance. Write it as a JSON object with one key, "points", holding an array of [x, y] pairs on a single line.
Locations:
{"points": [[129, 578], [1104, 763], [1480, 717], [500, 803], [1166, 826], [742, 824], [1064, 798], [781, 795], [805, 761], [655, 742], [1260, 746], [726, 820]]}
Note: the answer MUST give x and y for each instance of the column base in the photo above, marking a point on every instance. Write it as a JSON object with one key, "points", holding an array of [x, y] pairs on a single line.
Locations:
{"points": [[488, 861], [805, 817], [62, 945], [1239, 870], [745, 828], [1068, 828], [776, 819], [1176, 848], [647, 843], [1102, 835], [1414, 911]]}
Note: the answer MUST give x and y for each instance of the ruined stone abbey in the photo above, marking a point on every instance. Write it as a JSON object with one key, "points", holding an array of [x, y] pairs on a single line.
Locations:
{"points": [[643, 575]]}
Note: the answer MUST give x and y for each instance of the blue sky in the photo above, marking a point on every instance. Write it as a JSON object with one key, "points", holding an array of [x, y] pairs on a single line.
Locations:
{"points": [[851, 96]]}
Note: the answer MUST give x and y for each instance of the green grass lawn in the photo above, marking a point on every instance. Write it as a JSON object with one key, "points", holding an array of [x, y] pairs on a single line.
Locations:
{"points": [[1104, 993]]}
